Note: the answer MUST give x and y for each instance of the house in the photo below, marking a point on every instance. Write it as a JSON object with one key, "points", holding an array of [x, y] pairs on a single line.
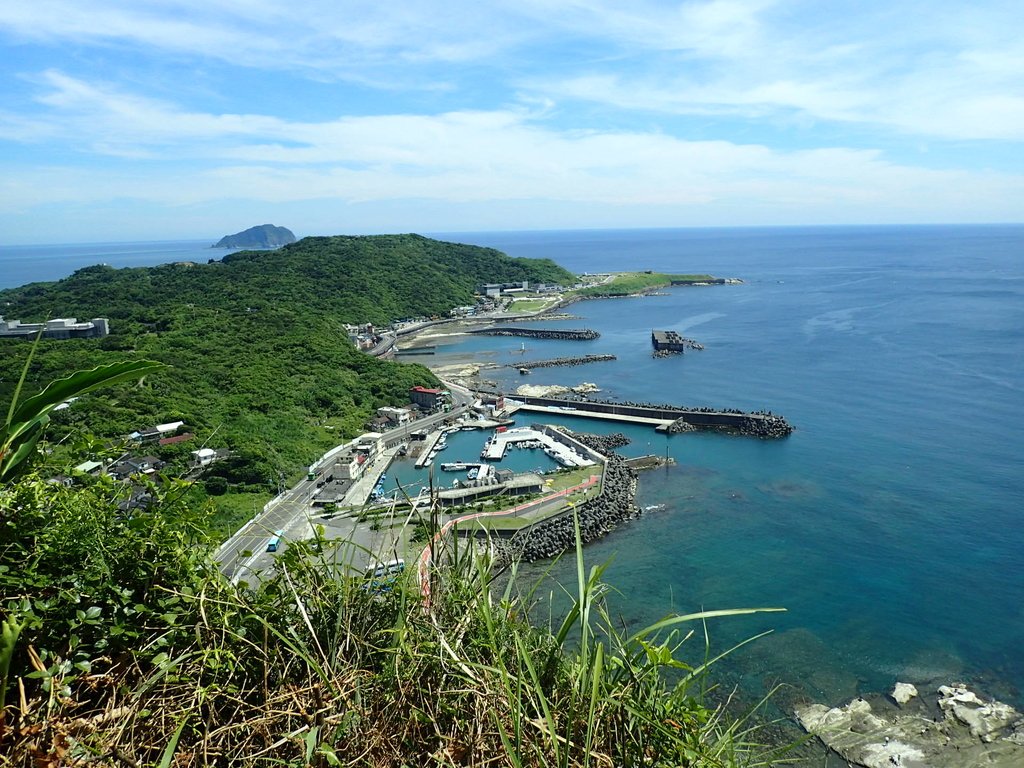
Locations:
{"points": [[90, 467], [395, 416], [203, 457], [183, 437], [128, 466], [155, 434]]}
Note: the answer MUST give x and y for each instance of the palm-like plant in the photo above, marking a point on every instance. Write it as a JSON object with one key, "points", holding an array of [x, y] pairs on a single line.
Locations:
{"points": [[25, 423]]}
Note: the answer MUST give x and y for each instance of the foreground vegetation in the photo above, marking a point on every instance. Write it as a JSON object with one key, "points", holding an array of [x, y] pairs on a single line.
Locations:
{"points": [[129, 660], [627, 283]]}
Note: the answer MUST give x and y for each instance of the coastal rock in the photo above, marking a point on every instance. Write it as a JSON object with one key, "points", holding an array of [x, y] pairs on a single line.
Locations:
{"points": [[541, 390], [903, 692], [585, 388], [971, 734], [985, 720]]}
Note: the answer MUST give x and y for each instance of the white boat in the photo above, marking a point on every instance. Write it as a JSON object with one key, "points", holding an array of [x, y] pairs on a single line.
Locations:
{"points": [[454, 466], [473, 473]]}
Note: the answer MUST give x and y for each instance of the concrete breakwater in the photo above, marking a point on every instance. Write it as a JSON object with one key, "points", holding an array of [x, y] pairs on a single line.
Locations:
{"points": [[583, 334], [563, 361], [763, 424], [598, 516]]}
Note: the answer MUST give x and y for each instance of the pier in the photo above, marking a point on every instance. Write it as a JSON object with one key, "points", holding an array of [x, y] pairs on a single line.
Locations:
{"points": [[562, 361]]}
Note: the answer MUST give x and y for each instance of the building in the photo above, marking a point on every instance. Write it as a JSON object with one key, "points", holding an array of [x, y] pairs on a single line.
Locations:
{"points": [[204, 457], [496, 289], [350, 462], [395, 416], [129, 466], [491, 405], [427, 399], [157, 433], [60, 328]]}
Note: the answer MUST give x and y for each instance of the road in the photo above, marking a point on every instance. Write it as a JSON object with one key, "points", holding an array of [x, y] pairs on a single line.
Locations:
{"points": [[289, 511]]}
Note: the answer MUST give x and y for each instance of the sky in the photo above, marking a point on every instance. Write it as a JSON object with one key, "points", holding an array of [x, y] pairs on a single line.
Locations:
{"points": [[166, 119]]}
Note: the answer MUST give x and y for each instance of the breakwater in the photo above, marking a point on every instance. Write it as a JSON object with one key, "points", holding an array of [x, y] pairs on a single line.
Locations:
{"points": [[615, 504], [563, 361], [583, 334], [764, 424]]}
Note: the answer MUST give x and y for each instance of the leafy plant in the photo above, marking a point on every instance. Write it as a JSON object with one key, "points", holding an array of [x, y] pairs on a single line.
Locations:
{"points": [[26, 422]]}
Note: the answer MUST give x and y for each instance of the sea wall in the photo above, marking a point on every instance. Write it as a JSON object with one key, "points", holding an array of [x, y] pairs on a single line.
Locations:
{"points": [[615, 504], [582, 334]]}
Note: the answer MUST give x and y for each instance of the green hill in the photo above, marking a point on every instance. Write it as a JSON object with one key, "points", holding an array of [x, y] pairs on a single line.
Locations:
{"points": [[256, 340]]}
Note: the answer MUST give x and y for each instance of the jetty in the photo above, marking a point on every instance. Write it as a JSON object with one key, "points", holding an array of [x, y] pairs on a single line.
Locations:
{"points": [[666, 418], [582, 334], [563, 361]]}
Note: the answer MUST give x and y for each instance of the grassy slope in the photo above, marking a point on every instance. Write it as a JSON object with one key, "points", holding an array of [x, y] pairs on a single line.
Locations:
{"points": [[626, 283]]}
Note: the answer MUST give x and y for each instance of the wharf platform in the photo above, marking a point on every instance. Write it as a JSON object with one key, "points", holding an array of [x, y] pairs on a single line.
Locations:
{"points": [[587, 414], [560, 452]]}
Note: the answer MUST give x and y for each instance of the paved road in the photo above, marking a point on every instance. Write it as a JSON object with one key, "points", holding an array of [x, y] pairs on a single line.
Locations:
{"points": [[289, 512]]}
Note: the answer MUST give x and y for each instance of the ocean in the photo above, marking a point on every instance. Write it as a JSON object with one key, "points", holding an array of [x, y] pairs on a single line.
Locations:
{"points": [[20, 264], [889, 525]]}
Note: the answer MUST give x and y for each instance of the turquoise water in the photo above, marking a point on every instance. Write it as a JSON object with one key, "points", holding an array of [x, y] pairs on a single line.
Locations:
{"points": [[889, 524]]}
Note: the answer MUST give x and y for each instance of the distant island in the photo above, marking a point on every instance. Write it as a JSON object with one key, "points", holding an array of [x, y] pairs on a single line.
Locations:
{"points": [[263, 236]]}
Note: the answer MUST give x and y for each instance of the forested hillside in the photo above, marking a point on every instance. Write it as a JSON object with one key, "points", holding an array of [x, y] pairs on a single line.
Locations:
{"points": [[260, 358]]}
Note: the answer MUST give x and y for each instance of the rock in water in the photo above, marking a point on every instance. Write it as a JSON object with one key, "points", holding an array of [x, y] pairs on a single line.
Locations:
{"points": [[973, 733], [263, 236], [903, 692]]}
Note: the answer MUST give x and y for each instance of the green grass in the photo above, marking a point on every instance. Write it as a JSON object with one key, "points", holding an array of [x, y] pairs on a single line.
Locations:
{"points": [[626, 283], [233, 510], [522, 306]]}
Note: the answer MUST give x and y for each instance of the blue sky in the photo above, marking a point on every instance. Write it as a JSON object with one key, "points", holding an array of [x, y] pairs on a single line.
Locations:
{"points": [[162, 119]]}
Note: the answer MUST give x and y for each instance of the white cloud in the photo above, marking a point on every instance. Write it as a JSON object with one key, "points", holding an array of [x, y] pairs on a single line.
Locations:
{"points": [[466, 157], [939, 69]]}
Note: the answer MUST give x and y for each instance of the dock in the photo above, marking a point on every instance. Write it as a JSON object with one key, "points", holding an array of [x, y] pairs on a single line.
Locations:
{"points": [[430, 446], [496, 447]]}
